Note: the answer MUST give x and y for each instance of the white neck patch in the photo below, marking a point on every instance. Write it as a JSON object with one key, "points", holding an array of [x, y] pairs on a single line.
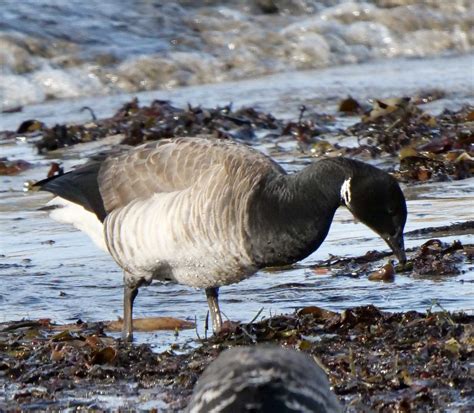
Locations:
{"points": [[346, 191]]}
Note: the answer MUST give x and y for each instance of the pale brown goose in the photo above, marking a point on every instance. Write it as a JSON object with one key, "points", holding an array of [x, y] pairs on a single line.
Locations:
{"points": [[264, 379], [206, 212]]}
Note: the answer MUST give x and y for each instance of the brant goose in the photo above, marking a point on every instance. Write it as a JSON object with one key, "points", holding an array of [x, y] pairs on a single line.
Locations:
{"points": [[206, 212], [264, 379]]}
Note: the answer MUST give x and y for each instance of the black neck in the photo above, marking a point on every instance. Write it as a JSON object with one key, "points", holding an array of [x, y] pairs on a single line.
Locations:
{"points": [[293, 213]]}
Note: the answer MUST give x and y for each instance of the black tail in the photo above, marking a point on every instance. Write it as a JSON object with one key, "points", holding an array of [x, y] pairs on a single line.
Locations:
{"points": [[79, 186]]}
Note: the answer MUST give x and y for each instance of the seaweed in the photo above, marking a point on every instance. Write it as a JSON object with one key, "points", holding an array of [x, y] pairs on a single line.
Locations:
{"points": [[436, 148], [160, 120], [427, 147], [433, 258], [13, 167], [373, 358]]}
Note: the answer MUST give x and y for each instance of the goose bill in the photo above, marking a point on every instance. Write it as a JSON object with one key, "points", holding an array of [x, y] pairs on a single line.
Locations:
{"points": [[396, 243]]}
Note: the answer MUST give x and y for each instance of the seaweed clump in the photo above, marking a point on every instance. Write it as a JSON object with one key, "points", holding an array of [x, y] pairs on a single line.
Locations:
{"points": [[161, 120], [429, 147], [383, 361], [432, 259], [48, 367], [156, 121]]}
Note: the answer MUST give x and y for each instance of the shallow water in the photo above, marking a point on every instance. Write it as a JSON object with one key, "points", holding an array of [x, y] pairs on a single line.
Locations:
{"points": [[51, 270]]}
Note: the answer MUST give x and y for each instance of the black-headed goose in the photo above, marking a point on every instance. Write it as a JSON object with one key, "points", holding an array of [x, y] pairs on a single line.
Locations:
{"points": [[206, 212]]}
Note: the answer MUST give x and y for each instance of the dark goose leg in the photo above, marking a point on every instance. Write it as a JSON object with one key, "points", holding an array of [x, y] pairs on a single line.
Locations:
{"points": [[212, 295], [129, 294]]}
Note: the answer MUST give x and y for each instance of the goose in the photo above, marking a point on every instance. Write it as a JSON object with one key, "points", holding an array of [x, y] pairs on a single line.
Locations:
{"points": [[207, 212], [264, 379]]}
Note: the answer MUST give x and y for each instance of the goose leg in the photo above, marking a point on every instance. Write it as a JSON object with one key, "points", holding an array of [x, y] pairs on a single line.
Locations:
{"points": [[212, 295], [129, 294]]}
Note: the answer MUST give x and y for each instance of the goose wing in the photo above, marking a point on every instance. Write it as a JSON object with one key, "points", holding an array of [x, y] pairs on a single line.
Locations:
{"points": [[175, 165]]}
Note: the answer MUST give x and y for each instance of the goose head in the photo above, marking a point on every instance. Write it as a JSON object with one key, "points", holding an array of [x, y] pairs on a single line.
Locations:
{"points": [[377, 201]]}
